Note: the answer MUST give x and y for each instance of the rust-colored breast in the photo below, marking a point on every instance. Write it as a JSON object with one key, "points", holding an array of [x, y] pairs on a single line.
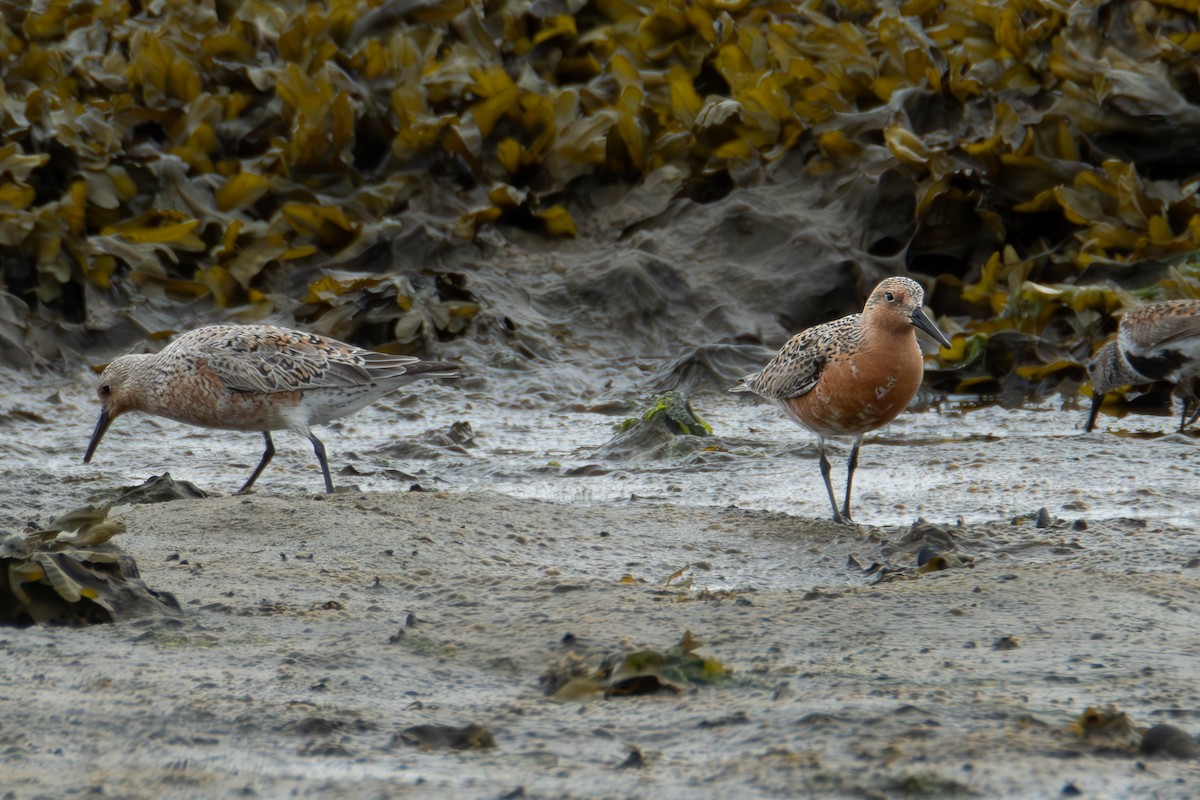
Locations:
{"points": [[863, 390], [195, 394]]}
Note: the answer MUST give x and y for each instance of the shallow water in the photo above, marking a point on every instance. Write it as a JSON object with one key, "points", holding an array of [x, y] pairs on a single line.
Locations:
{"points": [[944, 463]]}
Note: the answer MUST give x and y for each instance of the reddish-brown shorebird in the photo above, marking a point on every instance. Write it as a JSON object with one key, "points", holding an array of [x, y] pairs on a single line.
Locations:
{"points": [[1158, 342], [254, 378], [852, 375]]}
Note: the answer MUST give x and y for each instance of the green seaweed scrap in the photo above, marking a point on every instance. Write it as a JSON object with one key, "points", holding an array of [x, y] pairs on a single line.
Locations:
{"points": [[676, 412]]}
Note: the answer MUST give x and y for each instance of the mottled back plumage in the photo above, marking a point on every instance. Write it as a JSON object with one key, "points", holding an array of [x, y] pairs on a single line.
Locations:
{"points": [[1149, 328], [264, 358], [797, 366]]}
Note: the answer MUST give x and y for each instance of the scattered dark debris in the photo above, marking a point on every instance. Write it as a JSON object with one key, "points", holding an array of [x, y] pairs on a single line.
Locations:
{"points": [[925, 555], [1042, 519], [571, 670], [456, 438], [446, 737], [325, 748], [1167, 740], [635, 759], [928, 783], [1107, 729], [736, 718], [925, 547], [571, 677]]}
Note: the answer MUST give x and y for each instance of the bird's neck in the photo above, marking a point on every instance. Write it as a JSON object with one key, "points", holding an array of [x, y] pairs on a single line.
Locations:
{"points": [[1125, 375], [883, 323], [149, 379]]}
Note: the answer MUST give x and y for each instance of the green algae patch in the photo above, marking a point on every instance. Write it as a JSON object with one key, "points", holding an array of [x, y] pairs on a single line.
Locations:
{"points": [[674, 410]]}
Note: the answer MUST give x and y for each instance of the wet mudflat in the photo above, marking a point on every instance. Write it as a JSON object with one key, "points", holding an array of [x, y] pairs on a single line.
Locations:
{"points": [[318, 630], [942, 462], [320, 633], [325, 640]]}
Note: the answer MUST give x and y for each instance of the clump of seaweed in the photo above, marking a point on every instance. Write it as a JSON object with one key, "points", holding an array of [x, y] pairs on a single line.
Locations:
{"points": [[1032, 157], [46, 578], [647, 671], [668, 428]]}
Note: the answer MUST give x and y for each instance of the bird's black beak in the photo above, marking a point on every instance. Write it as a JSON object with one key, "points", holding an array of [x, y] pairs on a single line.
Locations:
{"points": [[1097, 401], [101, 426], [923, 322]]}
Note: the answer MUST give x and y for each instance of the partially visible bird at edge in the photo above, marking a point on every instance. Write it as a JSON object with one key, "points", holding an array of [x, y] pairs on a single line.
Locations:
{"points": [[255, 378], [852, 375], [1158, 342]]}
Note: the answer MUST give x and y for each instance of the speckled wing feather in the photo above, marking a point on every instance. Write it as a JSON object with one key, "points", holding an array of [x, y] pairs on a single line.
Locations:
{"points": [[267, 359], [1146, 329], [797, 366]]}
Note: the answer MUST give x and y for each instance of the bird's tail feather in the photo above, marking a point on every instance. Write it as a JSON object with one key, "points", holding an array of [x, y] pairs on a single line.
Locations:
{"points": [[433, 369], [746, 384]]}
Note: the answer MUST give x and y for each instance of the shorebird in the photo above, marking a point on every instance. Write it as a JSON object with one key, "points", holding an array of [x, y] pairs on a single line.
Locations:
{"points": [[254, 378], [852, 375], [1158, 342]]}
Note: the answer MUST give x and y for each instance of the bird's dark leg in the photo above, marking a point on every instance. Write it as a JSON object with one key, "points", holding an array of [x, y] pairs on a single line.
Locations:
{"points": [[319, 449], [1097, 401], [1189, 396], [825, 469], [851, 465], [268, 454], [1192, 419]]}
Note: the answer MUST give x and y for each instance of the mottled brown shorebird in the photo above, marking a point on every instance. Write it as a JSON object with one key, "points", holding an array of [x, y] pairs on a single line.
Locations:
{"points": [[254, 378], [1158, 342], [852, 375]]}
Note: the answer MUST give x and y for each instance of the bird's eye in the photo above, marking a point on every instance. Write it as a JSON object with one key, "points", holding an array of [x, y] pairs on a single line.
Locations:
{"points": [[891, 298], [106, 389]]}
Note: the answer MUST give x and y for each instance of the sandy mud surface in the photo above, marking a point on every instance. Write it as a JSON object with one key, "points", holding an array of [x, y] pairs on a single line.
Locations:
{"points": [[318, 634], [317, 630]]}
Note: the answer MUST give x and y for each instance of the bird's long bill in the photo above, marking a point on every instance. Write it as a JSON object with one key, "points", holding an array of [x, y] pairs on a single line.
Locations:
{"points": [[1097, 401], [101, 426], [926, 324]]}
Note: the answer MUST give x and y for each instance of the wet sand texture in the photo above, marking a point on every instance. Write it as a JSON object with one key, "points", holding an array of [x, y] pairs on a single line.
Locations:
{"points": [[319, 629]]}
